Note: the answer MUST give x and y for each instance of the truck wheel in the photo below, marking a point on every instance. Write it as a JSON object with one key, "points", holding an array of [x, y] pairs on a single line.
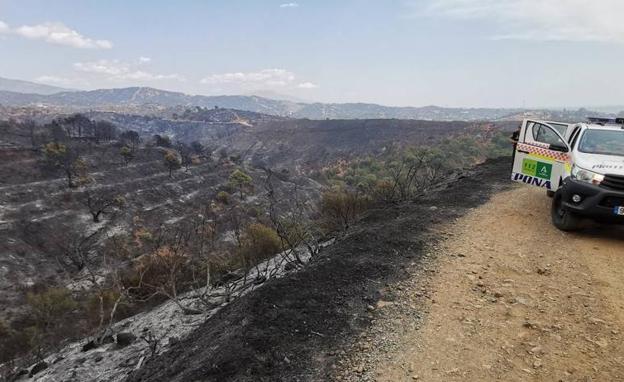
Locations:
{"points": [[562, 218]]}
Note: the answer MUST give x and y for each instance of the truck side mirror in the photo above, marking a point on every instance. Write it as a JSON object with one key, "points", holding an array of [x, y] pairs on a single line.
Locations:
{"points": [[558, 147]]}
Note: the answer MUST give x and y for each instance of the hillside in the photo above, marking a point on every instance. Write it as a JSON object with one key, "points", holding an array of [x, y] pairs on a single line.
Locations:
{"points": [[93, 207], [298, 328], [309, 145]]}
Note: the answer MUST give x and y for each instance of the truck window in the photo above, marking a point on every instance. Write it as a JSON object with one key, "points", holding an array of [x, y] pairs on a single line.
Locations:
{"points": [[604, 142], [561, 128], [543, 134]]}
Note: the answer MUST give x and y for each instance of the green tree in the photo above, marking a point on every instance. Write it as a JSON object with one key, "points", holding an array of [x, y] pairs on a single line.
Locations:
{"points": [[172, 161], [127, 154], [58, 156], [239, 179]]}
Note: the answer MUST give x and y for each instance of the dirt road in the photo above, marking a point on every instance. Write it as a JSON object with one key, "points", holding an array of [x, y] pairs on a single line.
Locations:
{"points": [[509, 298]]}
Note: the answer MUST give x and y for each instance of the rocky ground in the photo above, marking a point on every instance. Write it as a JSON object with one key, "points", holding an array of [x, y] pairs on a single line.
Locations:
{"points": [[306, 326], [505, 296]]}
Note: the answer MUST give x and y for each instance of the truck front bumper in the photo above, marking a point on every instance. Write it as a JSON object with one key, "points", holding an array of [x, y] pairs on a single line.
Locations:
{"points": [[597, 203]]}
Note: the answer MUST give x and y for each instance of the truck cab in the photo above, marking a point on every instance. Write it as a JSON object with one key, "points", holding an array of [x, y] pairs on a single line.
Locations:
{"points": [[580, 165]]}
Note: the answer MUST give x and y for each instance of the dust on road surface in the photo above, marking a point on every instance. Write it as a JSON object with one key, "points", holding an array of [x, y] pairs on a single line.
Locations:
{"points": [[512, 299]]}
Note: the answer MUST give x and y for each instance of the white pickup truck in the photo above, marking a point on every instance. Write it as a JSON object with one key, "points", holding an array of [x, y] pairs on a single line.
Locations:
{"points": [[581, 165]]}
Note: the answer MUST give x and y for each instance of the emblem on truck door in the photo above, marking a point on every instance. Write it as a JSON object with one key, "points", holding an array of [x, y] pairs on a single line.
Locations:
{"points": [[536, 168]]}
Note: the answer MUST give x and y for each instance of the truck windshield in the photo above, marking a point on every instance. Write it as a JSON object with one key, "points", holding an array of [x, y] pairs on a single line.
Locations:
{"points": [[605, 142]]}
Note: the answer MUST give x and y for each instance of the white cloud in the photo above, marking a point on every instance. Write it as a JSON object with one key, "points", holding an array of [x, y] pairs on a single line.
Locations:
{"points": [[307, 85], [289, 5], [116, 70], [542, 20], [110, 67], [266, 77], [55, 33], [143, 59]]}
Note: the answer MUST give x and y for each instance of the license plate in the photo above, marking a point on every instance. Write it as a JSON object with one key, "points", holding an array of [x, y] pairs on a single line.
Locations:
{"points": [[619, 211]]}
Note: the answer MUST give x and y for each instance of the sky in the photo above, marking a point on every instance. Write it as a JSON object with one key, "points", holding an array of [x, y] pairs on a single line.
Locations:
{"points": [[461, 53]]}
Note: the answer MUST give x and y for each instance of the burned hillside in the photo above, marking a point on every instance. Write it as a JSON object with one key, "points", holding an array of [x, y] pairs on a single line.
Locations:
{"points": [[96, 208]]}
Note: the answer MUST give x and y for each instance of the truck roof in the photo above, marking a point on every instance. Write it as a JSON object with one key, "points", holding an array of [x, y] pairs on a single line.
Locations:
{"points": [[597, 126]]}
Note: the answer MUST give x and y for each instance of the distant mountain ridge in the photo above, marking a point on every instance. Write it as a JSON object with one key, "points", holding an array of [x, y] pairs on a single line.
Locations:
{"points": [[146, 100], [136, 98], [143, 96], [20, 86]]}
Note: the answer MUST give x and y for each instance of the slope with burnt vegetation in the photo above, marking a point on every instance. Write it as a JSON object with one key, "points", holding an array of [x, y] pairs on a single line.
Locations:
{"points": [[298, 328], [102, 222]]}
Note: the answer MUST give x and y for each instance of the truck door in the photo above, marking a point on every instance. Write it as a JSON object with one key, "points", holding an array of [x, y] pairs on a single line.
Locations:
{"points": [[541, 156]]}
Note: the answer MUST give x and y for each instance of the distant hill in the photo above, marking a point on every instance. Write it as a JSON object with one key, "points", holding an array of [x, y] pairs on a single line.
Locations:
{"points": [[137, 98], [19, 86], [145, 100]]}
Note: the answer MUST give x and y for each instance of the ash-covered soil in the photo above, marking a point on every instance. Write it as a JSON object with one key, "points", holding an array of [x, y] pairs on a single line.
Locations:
{"points": [[296, 328]]}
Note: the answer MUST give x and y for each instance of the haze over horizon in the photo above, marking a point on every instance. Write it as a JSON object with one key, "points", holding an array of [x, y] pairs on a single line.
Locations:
{"points": [[476, 53]]}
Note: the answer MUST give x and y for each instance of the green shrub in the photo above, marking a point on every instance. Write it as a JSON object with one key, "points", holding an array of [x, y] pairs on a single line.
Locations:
{"points": [[402, 173], [223, 197], [258, 243], [51, 307], [340, 208]]}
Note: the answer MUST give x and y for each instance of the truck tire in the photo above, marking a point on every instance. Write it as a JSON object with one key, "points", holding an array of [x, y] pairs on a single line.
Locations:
{"points": [[562, 218]]}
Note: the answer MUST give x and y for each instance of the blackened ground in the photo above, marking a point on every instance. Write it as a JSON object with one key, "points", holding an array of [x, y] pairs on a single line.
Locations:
{"points": [[293, 328]]}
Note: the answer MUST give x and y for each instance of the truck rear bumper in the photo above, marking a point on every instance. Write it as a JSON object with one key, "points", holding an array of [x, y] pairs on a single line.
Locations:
{"points": [[597, 203]]}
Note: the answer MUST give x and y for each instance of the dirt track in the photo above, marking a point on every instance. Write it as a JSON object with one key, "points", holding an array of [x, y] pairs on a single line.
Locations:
{"points": [[512, 299]]}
